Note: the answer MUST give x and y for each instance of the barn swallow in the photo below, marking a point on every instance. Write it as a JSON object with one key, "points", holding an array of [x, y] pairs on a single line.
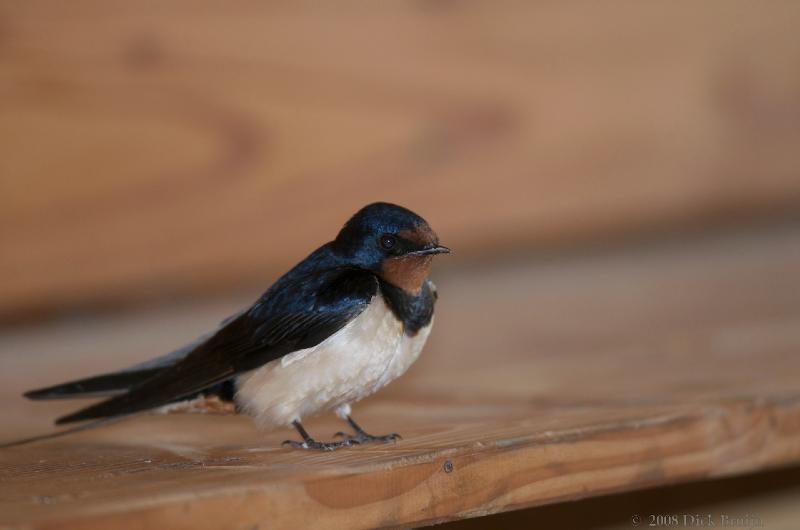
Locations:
{"points": [[340, 325]]}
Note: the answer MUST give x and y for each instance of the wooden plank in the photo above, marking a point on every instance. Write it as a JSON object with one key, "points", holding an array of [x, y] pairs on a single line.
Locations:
{"points": [[546, 379], [188, 147], [762, 500]]}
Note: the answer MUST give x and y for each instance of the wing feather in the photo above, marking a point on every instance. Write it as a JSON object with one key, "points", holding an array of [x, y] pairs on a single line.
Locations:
{"points": [[294, 314]]}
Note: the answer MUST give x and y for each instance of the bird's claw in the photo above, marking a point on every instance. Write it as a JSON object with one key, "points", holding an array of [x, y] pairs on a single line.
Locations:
{"points": [[364, 438], [319, 446]]}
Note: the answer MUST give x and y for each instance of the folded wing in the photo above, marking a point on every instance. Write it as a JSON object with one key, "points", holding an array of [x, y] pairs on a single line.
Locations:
{"points": [[298, 312]]}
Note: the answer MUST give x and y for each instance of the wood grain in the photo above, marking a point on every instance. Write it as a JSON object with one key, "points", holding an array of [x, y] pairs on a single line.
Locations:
{"points": [[546, 379], [188, 147]]}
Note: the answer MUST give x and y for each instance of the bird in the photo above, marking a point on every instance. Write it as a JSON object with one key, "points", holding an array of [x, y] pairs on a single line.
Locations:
{"points": [[337, 327]]}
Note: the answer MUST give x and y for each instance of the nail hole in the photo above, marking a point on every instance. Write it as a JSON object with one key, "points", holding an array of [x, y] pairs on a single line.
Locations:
{"points": [[448, 466]]}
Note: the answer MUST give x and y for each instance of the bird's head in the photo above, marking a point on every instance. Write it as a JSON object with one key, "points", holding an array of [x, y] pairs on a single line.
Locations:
{"points": [[391, 241]]}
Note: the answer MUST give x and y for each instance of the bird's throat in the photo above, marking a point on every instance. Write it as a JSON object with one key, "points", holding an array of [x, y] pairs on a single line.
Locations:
{"points": [[406, 272]]}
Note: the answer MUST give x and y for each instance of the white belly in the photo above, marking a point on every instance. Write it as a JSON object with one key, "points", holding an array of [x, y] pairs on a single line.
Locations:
{"points": [[365, 355]]}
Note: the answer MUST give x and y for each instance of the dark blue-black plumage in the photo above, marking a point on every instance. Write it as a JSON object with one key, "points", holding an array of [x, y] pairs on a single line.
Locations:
{"points": [[312, 301]]}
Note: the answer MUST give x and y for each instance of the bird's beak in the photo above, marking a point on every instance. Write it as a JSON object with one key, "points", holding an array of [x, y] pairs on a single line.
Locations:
{"points": [[431, 250]]}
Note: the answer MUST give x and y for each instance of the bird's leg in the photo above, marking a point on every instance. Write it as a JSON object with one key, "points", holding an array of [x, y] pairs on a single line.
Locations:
{"points": [[362, 437], [310, 443]]}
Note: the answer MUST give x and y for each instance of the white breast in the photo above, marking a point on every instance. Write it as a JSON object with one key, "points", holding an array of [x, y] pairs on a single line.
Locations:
{"points": [[365, 355]]}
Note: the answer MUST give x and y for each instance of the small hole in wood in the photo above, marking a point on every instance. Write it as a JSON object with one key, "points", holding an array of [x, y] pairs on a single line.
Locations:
{"points": [[448, 466]]}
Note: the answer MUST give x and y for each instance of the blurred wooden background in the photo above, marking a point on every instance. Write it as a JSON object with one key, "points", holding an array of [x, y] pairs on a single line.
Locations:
{"points": [[157, 149], [162, 150]]}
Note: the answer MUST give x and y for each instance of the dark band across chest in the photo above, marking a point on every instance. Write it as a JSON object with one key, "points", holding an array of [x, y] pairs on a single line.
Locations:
{"points": [[414, 311]]}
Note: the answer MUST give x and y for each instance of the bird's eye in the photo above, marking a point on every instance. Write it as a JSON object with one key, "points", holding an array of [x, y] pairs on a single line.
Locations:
{"points": [[388, 242]]}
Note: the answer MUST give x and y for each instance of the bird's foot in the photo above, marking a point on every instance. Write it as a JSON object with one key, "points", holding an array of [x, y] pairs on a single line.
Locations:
{"points": [[319, 446], [362, 437]]}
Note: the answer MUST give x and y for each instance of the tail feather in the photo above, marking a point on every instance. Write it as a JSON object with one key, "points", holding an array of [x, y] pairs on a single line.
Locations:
{"points": [[99, 385], [59, 434], [115, 383]]}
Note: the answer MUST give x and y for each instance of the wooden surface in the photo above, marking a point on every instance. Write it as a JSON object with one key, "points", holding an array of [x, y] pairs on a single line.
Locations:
{"points": [[190, 146], [546, 378], [768, 498]]}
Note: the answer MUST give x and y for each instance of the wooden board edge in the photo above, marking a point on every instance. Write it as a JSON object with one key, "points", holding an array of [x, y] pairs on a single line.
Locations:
{"points": [[716, 441]]}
